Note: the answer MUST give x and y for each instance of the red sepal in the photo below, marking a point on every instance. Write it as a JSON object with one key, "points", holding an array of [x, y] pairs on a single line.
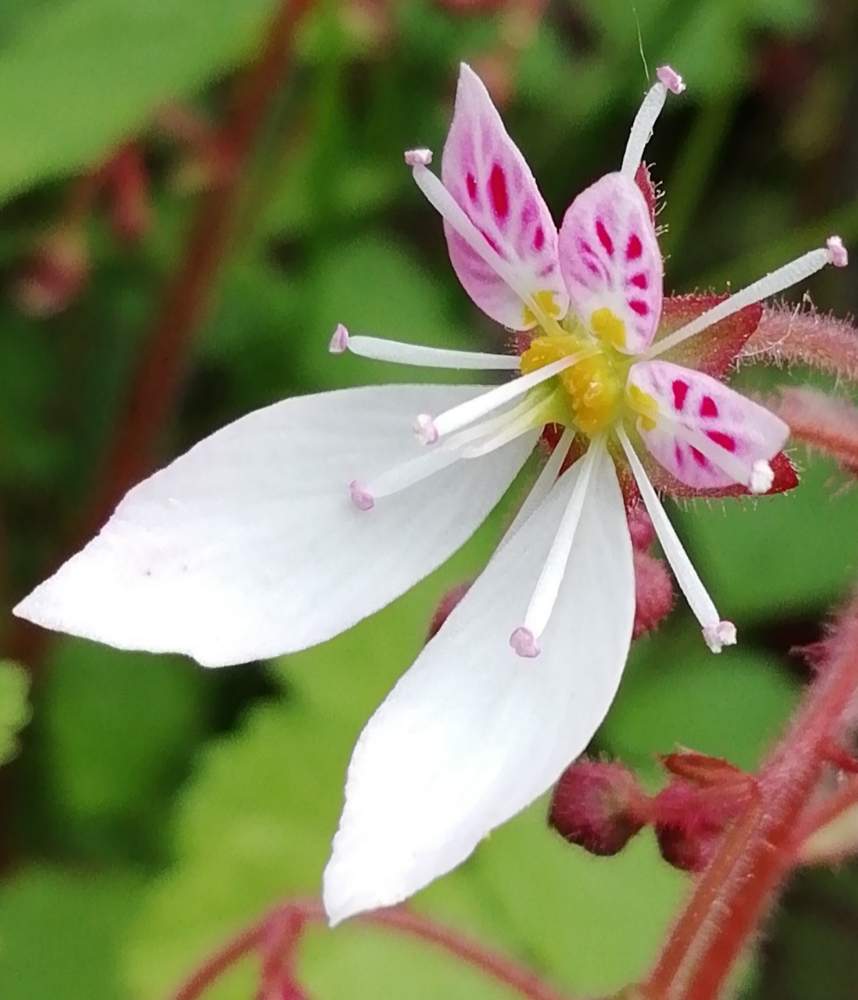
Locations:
{"points": [[715, 349]]}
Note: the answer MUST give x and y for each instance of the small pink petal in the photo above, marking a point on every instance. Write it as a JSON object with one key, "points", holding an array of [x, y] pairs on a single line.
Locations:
{"points": [[749, 434], [671, 79], [489, 179], [610, 259]]}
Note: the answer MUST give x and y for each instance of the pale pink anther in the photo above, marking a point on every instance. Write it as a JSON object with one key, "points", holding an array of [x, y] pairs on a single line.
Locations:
{"points": [[360, 497], [762, 477], [671, 79], [418, 157], [837, 252], [339, 342], [523, 641], [720, 635], [425, 429]]}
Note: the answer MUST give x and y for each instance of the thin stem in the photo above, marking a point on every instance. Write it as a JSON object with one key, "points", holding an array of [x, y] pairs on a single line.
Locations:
{"points": [[493, 965], [734, 893], [155, 386], [827, 811]]}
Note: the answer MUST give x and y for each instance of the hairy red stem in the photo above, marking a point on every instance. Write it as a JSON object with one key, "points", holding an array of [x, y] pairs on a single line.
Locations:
{"points": [[158, 376], [733, 894], [490, 963], [824, 422], [786, 335]]}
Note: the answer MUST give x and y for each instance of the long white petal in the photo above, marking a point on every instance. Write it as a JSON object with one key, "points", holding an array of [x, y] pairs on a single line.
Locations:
{"points": [[473, 733], [249, 546]]}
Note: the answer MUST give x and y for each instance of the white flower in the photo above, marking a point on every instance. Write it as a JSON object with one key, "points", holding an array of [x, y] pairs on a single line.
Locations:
{"points": [[295, 522]]}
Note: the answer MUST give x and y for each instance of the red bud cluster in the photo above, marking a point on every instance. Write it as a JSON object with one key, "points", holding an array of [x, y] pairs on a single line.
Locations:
{"points": [[600, 806]]}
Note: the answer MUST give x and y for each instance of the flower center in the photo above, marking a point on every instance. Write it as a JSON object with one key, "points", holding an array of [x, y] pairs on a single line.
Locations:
{"points": [[594, 388]]}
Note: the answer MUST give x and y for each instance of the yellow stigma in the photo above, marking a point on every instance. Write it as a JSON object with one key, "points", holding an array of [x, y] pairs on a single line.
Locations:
{"points": [[545, 305], [644, 406], [609, 327], [593, 386]]}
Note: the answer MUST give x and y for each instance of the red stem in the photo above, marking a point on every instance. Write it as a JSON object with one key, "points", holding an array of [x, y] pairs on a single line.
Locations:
{"points": [[733, 894], [824, 813], [490, 963], [158, 377]]}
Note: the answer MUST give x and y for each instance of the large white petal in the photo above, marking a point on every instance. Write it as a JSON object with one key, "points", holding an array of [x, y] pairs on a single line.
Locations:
{"points": [[473, 732], [248, 546]]}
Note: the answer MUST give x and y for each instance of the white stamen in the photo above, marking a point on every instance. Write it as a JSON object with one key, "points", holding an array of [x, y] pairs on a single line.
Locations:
{"points": [[718, 636], [399, 353], [645, 119], [339, 342], [839, 255], [671, 79], [429, 429], [544, 481], [473, 442], [762, 477], [536, 412], [450, 210], [525, 639], [716, 633], [361, 496], [797, 270], [418, 157]]}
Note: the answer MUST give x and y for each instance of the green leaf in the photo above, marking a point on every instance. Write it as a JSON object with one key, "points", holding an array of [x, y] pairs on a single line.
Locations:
{"points": [[377, 287], [677, 693], [14, 710], [79, 76], [790, 554], [115, 732], [60, 933]]}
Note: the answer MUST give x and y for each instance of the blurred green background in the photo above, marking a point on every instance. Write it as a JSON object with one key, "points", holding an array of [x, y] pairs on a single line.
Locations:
{"points": [[153, 807]]}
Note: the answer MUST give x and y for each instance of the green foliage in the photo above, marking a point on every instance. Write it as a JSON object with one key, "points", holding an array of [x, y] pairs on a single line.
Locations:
{"points": [[750, 551], [61, 931], [14, 710], [80, 75], [677, 694], [115, 735]]}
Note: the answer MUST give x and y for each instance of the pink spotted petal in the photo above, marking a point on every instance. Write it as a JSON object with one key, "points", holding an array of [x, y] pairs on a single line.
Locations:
{"points": [[486, 174], [610, 260], [746, 432]]}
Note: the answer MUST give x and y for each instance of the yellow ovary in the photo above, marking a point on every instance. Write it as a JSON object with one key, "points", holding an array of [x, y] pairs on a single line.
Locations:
{"points": [[609, 327], [593, 387]]}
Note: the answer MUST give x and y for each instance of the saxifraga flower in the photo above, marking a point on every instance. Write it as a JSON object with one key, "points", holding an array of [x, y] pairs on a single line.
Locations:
{"points": [[293, 523]]}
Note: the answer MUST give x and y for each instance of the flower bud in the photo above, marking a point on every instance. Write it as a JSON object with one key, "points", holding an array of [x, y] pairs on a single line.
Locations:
{"points": [[653, 593], [689, 820], [598, 805]]}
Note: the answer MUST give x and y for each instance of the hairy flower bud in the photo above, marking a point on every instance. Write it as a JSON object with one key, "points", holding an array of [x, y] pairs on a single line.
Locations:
{"points": [[598, 805], [654, 594], [690, 820]]}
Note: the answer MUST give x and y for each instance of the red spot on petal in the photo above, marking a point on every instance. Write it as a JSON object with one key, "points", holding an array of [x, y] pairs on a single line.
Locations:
{"points": [[708, 407], [677, 454], [472, 186], [699, 457], [493, 243], [604, 237], [498, 192], [726, 441], [640, 280], [639, 306], [539, 238], [680, 391], [634, 248]]}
